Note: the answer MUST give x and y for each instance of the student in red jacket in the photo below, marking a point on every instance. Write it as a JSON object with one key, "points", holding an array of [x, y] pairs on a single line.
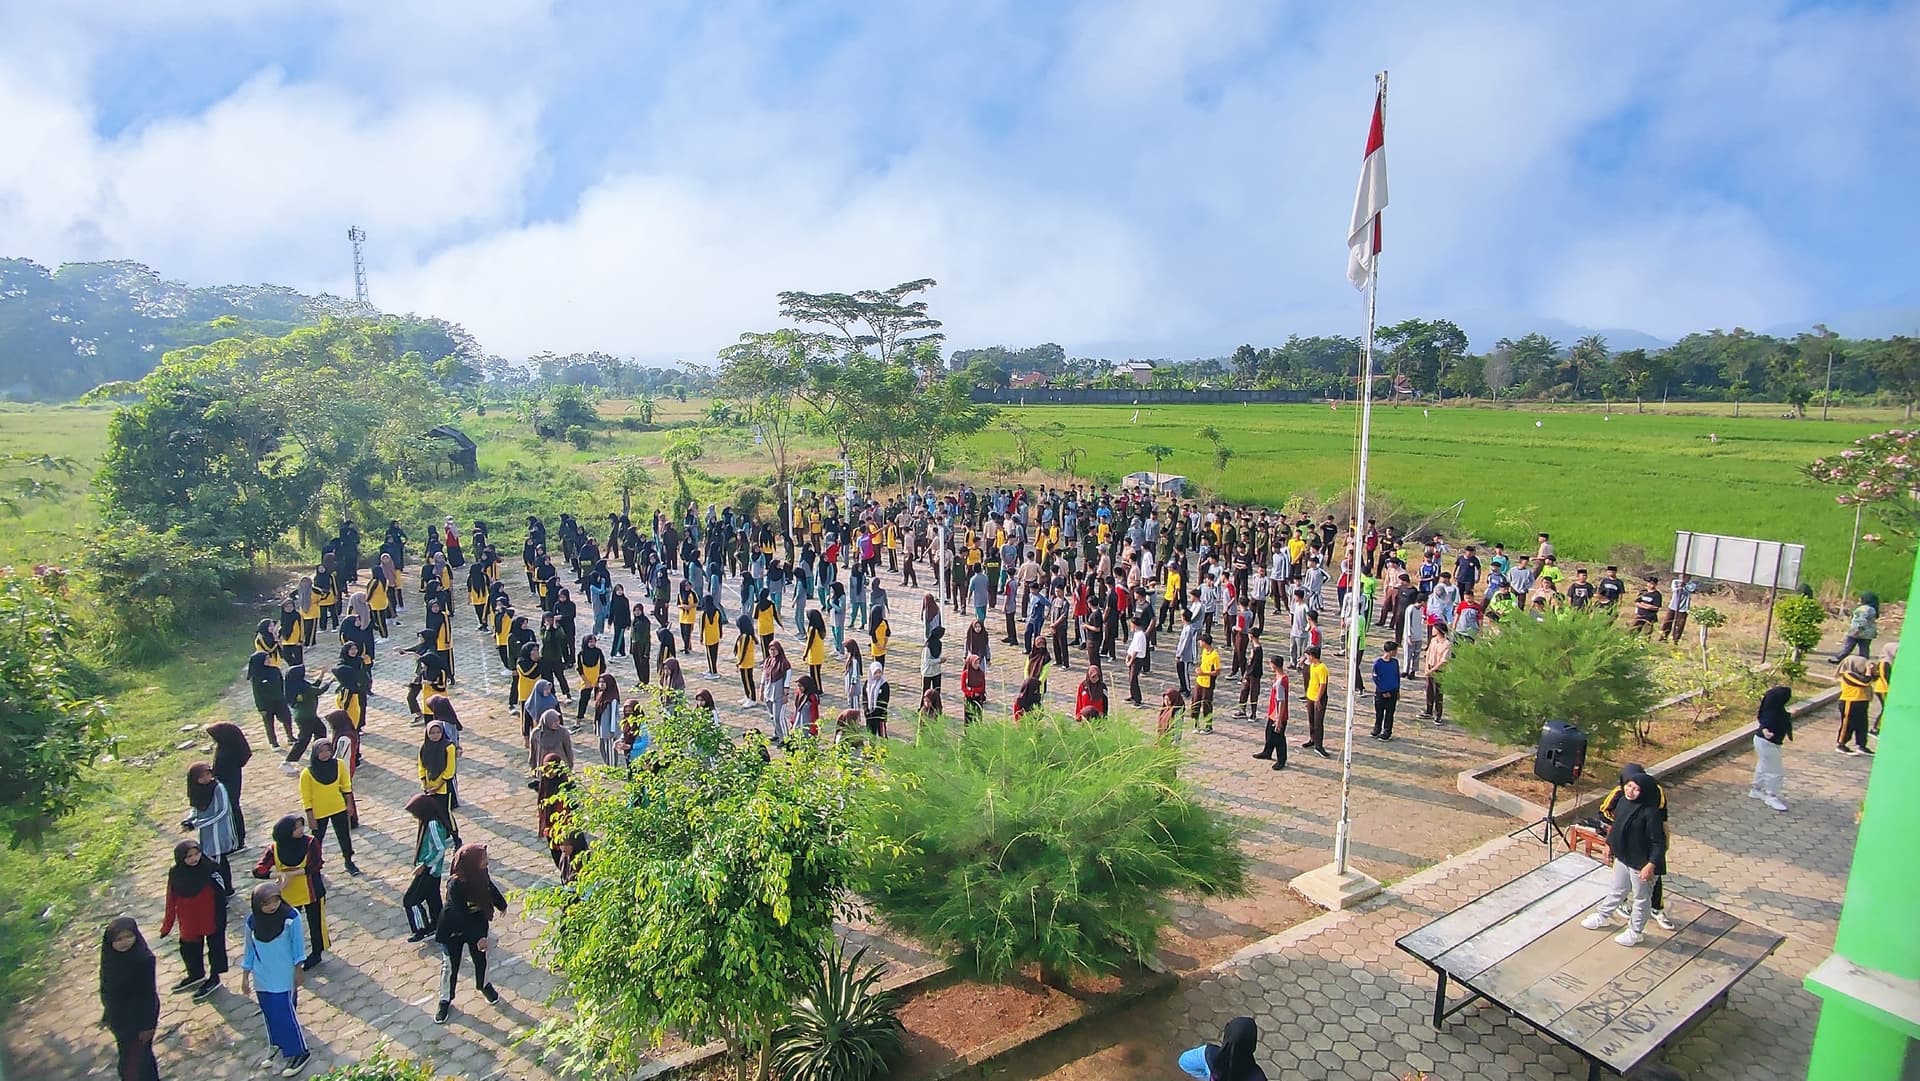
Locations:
{"points": [[197, 902], [1091, 699], [973, 687]]}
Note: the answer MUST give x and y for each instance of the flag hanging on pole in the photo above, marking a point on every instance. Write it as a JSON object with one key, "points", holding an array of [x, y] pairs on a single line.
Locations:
{"points": [[1363, 238]]}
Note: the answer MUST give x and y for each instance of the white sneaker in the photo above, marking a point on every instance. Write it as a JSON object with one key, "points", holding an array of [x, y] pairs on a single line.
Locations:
{"points": [[1629, 937], [1776, 803], [1660, 917], [1755, 793], [289, 767], [1598, 921]]}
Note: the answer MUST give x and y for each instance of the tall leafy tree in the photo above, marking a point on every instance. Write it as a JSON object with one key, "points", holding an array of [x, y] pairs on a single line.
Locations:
{"points": [[761, 377], [1423, 350], [1897, 364], [881, 320]]}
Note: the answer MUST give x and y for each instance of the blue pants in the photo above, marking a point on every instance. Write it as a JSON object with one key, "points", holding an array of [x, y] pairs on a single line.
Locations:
{"points": [[1194, 1063], [283, 1028]]}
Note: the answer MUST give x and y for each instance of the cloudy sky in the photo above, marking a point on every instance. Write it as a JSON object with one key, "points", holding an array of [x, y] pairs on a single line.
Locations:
{"points": [[1152, 178]]}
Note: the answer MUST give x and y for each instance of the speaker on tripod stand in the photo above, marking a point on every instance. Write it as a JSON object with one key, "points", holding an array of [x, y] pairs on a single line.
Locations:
{"points": [[1559, 759]]}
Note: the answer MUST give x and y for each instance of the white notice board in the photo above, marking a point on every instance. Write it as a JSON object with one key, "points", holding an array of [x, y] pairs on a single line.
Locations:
{"points": [[1738, 559]]}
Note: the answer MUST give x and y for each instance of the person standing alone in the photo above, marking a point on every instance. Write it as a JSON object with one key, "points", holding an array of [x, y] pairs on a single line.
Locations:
{"points": [[1386, 690]]}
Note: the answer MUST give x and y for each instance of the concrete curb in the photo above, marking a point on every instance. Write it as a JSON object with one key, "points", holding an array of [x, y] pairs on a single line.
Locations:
{"points": [[1469, 782]]}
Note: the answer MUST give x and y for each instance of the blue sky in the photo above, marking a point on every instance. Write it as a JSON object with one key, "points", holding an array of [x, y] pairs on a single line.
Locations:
{"points": [[1128, 178]]}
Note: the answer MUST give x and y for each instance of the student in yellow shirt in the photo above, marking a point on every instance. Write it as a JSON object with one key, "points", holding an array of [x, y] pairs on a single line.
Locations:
{"points": [[439, 759], [882, 631], [1205, 675], [1856, 690], [1316, 703], [326, 793], [745, 658], [815, 653], [712, 624]]}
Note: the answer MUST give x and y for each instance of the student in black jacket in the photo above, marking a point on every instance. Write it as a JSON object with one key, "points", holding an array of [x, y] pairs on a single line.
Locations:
{"points": [[130, 998], [466, 923], [1774, 729], [1638, 842]]}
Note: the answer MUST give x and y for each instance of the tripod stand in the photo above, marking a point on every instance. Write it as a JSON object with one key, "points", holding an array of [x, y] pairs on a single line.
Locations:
{"points": [[1545, 828]]}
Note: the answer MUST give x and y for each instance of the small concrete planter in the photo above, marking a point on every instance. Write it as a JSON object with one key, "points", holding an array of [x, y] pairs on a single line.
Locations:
{"points": [[1470, 784]]}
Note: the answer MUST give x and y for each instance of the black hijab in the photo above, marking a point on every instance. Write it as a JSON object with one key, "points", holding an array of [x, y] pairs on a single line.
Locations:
{"points": [[433, 752], [200, 793], [1232, 1058], [325, 770], [297, 684], [185, 881], [230, 747], [1773, 714], [126, 978], [268, 925], [290, 850]]}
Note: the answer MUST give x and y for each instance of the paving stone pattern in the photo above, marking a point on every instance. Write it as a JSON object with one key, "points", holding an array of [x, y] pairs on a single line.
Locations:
{"points": [[1407, 815]]}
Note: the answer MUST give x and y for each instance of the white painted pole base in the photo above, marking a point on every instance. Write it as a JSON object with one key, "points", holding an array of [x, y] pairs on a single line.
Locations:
{"points": [[1332, 890]]}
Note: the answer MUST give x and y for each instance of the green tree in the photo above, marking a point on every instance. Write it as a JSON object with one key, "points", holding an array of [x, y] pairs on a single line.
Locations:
{"points": [[1897, 365], [1588, 356], [150, 585], [1572, 666], [1159, 452], [761, 377], [1246, 366], [708, 896], [1425, 351], [1798, 618], [1636, 370], [626, 475], [1050, 842], [35, 484], [883, 320], [52, 732]]}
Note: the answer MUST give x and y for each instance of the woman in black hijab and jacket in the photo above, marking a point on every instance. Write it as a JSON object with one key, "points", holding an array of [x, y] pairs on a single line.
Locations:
{"points": [[1774, 729], [1638, 841], [1229, 1060], [130, 998]]}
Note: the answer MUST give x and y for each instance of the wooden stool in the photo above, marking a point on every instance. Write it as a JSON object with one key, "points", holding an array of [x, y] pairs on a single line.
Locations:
{"points": [[1586, 840]]}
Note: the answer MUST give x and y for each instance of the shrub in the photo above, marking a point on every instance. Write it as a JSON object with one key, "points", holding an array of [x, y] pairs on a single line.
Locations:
{"points": [[1797, 618], [135, 574], [51, 732], [1572, 666], [1048, 842], [380, 1066], [580, 436], [844, 1029]]}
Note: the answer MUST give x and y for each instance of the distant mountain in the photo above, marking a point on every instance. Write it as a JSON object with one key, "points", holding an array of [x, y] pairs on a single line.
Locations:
{"points": [[65, 331]]}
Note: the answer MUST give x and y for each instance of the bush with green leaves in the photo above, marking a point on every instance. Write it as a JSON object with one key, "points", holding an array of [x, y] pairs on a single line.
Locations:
{"points": [[708, 896], [1050, 842], [1797, 619], [52, 732], [381, 1066], [135, 574], [1573, 666], [845, 1029]]}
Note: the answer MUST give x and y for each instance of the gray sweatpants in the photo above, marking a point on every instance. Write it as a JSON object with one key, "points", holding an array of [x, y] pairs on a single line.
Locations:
{"points": [[1627, 881], [1768, 771]]}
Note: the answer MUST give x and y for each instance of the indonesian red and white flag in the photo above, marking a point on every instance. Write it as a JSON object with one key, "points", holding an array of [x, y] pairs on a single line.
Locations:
{"points": [[1363, 239]]}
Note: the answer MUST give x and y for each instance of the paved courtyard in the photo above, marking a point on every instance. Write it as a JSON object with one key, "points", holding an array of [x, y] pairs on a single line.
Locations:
{"points": [[1343, 985]]}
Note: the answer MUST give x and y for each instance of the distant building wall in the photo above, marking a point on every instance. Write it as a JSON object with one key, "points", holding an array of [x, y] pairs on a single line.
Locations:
{"points": [[1089, 396]]}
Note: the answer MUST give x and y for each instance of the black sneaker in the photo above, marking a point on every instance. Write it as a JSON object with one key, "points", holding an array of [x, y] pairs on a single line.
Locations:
{"points": [[490, 994], [1844, 749], [296, 1064], [1866, 750], [1263, 757], [1321, 751], [353, 869], [440, 1013], [188, 982], [1278, 766], [311, 963]]}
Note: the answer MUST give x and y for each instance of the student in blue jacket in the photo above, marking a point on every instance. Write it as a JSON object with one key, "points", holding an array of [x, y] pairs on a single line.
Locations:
{"points": [[270, 965]]}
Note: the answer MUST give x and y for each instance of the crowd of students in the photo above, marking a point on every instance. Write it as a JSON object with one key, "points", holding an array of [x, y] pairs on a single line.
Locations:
{"points": [[1061, 577]]}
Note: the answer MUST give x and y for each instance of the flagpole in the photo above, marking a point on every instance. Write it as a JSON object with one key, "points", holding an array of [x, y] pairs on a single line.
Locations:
{"points": [[1337, 885]]}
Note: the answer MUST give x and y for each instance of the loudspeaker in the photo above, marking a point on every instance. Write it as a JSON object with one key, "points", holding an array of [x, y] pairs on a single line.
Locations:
{"points": [[1562, 755]]}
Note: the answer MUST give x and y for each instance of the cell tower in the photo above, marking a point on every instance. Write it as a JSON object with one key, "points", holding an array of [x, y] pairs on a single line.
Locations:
{"points": [[359, 236]]}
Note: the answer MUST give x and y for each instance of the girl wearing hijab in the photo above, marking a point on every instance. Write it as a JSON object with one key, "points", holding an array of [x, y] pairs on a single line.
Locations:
{"points": [[837, 606], [432, 841], [1027, 699], [326, 598], [671, 677], [973, 689], [271, 967], [211, 812], [439, 760], [1173, 704], [607, 716], [875, 698], [266, 639], [352, 681], [642, 649], [479, 593], [538, 702], [269, 686], [712, 621], [1775, 729], [466, 922], [813, 652], [197, 891], [130, 998], [552, 792], [549, 738], [381, 593], [231, 753], [291, 631], [744, 659], [1090, 700], [931, 706], [1638, 841], [1856, 691], [1229, 1060], [689, 614], [303, 698], [528, 671], [856, 676], [977, 644], [933, 664], [591, 663], [1883, 681], [1862, 627], [440, 708], [293, 863], [806, 705], [326, 792], [358, 626]]}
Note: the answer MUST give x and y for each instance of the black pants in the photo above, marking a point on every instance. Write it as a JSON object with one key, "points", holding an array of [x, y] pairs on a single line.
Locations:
{"points": [[208, 956], [136, 1057], [713, 660], [1275, 746], [558, 674], [329, 617], [746, 684], [450, 967], [1135, 666], [1180, 670], [1853, 724], [1250, 692], [341, 829], [686, 638], [586, 695], [1316, 723], [277, 712], [422, 902], [1384, 703]]}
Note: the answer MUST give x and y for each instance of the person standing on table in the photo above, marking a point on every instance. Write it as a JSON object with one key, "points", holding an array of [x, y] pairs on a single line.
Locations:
{"points": [[1637, 841]]}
